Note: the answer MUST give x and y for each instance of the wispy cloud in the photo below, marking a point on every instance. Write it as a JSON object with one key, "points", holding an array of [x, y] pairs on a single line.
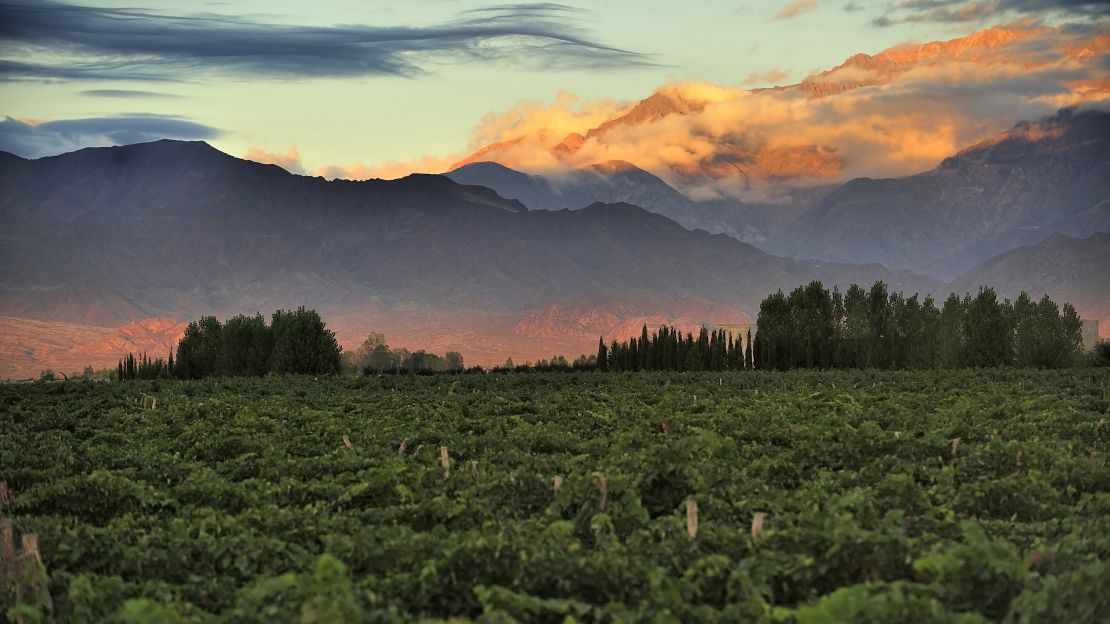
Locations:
{"points": [[960, 11], [796, 8], [79, 42], [125, 94], [34, 139], [770, 77]]}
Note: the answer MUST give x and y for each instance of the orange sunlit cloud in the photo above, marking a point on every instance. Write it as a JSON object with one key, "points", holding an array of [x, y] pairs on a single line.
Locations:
{"points": [[771, 76], [290, 160], [795, 8], [895, 113]]}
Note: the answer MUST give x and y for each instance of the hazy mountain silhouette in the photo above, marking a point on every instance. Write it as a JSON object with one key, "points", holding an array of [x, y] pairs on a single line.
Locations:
{"points": [[619, 181], [1015, 189], [1070, 269], [105, 236]]}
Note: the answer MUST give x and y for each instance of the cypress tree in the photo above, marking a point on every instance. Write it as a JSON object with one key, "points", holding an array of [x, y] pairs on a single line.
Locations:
{"points": [[749, 363]]}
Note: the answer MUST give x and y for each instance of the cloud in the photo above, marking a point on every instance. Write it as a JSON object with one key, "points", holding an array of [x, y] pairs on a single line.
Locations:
{"points": [[961, 11], [895, 113], [99, 43], [796, 8], [389, 170], [772, 76], [125, 93], [290, 160], [35, 139]]}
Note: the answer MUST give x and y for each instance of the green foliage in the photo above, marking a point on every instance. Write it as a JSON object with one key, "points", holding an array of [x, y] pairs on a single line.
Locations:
{"points": [[1076, 597], [882, 603], [981, 574], [237, 500], [296, 341], [141, 368], [246, 347], [815, 328], [302, 344], [1102, 354]]}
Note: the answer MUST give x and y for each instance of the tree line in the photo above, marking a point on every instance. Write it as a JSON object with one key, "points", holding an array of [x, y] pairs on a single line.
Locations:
{"points": [[295, 341], [814, 327], [142, 367], [375, 357], [667, 349]]}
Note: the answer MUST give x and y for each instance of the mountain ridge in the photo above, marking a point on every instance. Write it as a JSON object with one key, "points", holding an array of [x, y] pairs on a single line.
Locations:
{"points": [[112, 235], [1007, 191]]}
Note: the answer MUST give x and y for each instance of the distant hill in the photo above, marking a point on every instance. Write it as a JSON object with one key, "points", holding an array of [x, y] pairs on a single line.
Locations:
{"points": [[106, 236], [27, 347], [1070, 269], [619, 181], [1015, 189]]}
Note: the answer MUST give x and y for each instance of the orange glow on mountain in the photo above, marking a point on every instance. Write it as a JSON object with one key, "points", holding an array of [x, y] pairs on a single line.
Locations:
{"points": [[893, 113]]}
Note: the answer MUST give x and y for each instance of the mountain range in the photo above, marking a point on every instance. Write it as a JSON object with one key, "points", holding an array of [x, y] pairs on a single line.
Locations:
{"points": [[107, 236], [495, 262], [1014, 189], [1066, 268], [623, 182]]}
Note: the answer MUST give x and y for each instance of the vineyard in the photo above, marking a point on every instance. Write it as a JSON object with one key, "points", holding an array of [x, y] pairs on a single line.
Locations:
{"points": [[809, 497]]}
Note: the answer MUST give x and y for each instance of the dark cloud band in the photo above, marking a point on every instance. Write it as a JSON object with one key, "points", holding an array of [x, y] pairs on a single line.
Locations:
{"points": [[34, 140], [133, 44], [977, 10], [125, 94]]}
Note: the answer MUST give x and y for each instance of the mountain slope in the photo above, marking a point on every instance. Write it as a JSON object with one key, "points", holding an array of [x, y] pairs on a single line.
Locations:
{"points": [[1076, 270], [105, 236], [1015, 189]]}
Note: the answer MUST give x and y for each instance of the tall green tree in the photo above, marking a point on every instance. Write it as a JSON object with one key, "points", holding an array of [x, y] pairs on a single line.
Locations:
{"points": [[602, 355], [302, 343], [247, 344], [988, 331]]}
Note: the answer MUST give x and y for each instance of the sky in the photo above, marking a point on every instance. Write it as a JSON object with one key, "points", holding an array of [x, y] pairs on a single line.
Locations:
{"points": [[348, 87]]}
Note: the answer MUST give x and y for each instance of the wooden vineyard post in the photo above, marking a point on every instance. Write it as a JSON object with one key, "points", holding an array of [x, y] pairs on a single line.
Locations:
{"points": [[602, 492], [955, 450], [557, 483], [31, 579], [757, 526], [31, 546], [23, 573], [474, 469], [346, 441], [7, 549], [692, 518], [401, 449], [445, 461], [154, 403]]}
